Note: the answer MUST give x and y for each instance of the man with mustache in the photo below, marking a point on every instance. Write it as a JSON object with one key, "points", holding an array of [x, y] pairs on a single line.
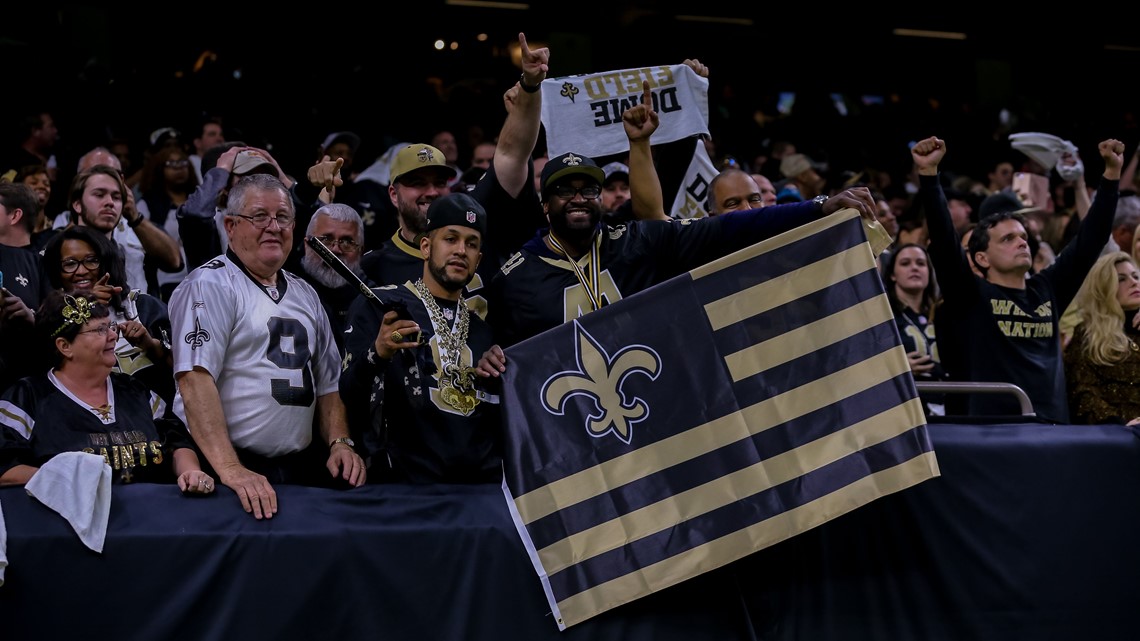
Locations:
{"points": [[339, 228], [409, 373]]}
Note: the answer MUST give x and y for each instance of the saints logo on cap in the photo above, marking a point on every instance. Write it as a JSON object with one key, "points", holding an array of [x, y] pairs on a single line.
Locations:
{"points": [[425, 155], [571, 160]]}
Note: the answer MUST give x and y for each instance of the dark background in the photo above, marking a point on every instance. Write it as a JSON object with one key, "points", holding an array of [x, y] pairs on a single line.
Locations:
{"points": [[284, 77]]}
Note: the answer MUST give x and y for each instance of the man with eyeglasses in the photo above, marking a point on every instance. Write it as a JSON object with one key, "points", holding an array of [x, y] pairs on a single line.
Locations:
{"points": [[255, 358], [341, 229], [580, 264]]}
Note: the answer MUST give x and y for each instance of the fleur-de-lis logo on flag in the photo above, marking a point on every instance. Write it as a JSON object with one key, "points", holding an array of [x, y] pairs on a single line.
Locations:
{"points": [[600, 378]]}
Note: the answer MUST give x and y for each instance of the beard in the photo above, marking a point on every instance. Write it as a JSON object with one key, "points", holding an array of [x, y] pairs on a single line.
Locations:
{"points": [[412, 219], [438, 271], [579, 231], [324, 274]]}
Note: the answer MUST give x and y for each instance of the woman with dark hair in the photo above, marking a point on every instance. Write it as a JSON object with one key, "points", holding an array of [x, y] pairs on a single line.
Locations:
{"points": [[80, 260], [1102, 361], [913, 293], [81, 405]]}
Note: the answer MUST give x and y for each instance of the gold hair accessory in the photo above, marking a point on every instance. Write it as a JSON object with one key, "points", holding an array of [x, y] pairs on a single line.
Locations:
{"points": [[76, 311]]}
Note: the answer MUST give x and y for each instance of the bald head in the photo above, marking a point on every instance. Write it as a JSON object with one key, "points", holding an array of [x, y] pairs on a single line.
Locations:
{"points": [[733, 190], [99, 156]]}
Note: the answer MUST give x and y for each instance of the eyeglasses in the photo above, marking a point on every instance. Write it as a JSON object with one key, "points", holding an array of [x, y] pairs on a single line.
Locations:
{"points": [[177, 164], [261, 221], [566, 192], [345, 244], [70, 265], [102, 329]]}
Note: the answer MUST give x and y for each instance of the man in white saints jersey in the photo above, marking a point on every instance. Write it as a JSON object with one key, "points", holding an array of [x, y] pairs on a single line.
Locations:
{"points": [[255, 358]]}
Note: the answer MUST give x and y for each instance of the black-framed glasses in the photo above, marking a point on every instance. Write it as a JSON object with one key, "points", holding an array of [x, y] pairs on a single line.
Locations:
{"points": [[261, 221], [345, 244], [70, 265], [567, 192], [102, 329]]}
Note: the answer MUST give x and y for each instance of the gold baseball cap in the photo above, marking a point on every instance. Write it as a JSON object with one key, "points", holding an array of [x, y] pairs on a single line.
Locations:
{"points": [[415, 157]]}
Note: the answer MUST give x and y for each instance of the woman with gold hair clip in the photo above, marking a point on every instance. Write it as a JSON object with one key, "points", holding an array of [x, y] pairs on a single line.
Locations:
{"points": [[81, 405]]}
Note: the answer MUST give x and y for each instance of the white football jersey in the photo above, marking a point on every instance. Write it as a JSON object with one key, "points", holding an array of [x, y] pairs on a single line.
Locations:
{"points": [[271, 359]]}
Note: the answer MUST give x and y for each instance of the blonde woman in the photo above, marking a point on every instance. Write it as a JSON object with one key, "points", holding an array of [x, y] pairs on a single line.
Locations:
{"points": [[1102, 362]]}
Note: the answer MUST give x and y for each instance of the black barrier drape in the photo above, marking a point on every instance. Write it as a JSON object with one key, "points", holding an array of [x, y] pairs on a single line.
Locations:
{"points": [[1030, 533]]}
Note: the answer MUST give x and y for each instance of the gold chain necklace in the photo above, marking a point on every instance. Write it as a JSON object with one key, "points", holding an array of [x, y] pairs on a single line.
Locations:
{"points": [[456, 382]]}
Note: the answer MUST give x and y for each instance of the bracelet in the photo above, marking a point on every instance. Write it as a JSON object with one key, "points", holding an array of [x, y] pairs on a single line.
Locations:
{"points": [[528, 88], [136, 222]]}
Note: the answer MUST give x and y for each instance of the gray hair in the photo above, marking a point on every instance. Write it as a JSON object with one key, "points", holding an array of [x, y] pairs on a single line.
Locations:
{"points": [[1127, 212], [254, 183], [341, 213]]}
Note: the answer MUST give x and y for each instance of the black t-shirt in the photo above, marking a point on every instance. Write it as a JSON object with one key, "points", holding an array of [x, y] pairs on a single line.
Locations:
{"points": [[1002, 334]]}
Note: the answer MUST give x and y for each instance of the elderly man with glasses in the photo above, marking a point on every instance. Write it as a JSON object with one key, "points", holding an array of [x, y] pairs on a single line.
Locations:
{"points": [[256, 361], [339, 228]]}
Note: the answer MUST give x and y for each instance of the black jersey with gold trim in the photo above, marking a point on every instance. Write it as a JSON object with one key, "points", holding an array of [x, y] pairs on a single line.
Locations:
{"points": [[136, 433], [537, 289], [409, 431]]}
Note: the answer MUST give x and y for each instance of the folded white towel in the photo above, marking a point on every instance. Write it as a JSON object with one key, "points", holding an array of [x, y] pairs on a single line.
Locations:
{"points": [[77, 485]]}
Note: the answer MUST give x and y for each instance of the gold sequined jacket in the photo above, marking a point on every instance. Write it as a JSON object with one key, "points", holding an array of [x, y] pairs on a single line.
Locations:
{"points": [[1101, 393]]}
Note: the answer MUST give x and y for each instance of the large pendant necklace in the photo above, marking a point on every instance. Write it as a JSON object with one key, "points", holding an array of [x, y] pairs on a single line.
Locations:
{"points": [[456, 382]]}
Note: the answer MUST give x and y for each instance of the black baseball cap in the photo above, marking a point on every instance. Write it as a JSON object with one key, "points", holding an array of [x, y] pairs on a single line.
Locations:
{"points": [[570, 164], [457, 209]]}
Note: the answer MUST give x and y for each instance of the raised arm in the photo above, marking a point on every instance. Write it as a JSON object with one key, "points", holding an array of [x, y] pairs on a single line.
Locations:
{"points": [[1078, 256], [519, 134], [955, 277], [640, 121]]}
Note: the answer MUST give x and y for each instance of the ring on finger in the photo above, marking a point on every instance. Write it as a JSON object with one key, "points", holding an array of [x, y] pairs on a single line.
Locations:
{"points": [[397, 336]]}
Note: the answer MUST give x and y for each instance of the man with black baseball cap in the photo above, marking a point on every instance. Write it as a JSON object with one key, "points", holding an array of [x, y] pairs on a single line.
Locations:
{"points": [[579, 264], [409, 377]]}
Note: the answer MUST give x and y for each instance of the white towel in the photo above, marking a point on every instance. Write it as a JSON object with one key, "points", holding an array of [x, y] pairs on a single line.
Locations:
{"points": [[77, 485], [583, 113], [3, 547]]}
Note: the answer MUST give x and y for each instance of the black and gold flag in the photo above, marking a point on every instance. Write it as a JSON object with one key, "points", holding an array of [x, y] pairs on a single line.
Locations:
{"points": [[708, 417]]}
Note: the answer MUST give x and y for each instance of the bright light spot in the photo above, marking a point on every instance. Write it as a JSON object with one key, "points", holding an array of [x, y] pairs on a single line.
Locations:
{"points": [[481, 37], [439, 45], [454, 45]]}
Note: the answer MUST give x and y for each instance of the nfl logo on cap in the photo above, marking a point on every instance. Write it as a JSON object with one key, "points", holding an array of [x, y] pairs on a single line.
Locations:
{"points": [[470, 216]]}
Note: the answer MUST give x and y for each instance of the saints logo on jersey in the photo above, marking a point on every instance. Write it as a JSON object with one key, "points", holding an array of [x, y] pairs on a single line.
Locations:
{"points": [[198, 337]]}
